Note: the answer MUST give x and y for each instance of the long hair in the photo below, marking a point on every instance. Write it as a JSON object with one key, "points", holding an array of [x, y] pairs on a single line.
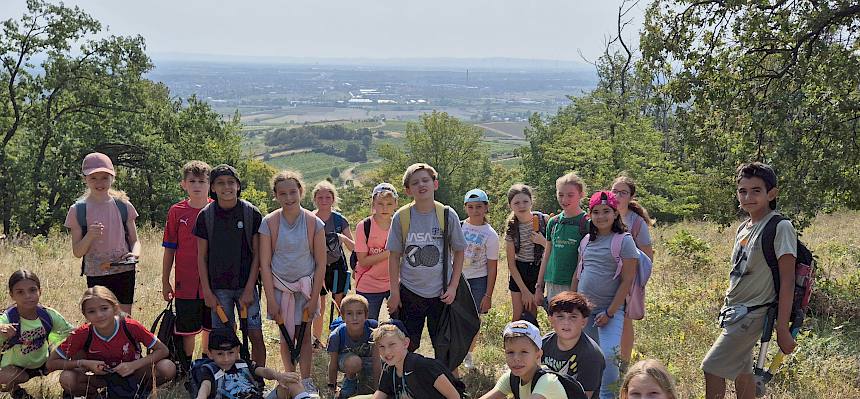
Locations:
{"points": [[654, 369], [289, 175], [512, 223], [634, 205], [325, 185], [21, 275], [100, 292], [618, 225], [118, 195]]}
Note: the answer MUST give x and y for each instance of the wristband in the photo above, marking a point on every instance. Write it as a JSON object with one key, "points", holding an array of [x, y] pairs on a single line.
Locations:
{"points": [[606, 312]]}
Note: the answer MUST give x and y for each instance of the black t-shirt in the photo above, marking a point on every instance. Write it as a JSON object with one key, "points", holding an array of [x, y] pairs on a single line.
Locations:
{"points": [[419, 375], [239, 383], [230, 255], [584, 361]]}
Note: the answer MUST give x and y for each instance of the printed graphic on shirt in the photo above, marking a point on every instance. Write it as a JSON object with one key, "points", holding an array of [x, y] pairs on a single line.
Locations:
{"points": [[29, 339], [740, 260], [427, 254]]}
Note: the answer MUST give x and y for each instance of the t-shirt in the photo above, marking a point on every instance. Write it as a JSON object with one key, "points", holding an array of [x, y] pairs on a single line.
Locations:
{"points": [[179, 236], [339, 340], [292, 258], [598, 282], [236, 382], [751, 281], [421, 265], [372, 279], [527, 247], [643, 236], [230, 256], [26, 354], [547, 386], [335, 224], [564, 236], [419, 375], [584, 361], [482, 244], [112, 350], [111, 246]]}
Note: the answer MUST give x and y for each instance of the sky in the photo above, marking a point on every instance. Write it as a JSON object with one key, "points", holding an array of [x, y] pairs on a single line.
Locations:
{"points": [[525, 29]]}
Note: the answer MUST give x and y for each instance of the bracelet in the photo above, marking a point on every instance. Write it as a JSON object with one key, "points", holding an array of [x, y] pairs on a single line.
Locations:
{"points": [[606, 312]]}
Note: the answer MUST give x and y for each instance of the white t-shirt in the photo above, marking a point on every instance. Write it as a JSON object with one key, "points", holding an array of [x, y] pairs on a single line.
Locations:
{"points": [[482, 244]]}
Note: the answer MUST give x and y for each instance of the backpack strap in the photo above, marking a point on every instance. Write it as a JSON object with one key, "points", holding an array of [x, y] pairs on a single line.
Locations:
{"points": [[445, 212], [580, 261], [273, 221], [248, 221], [516, 235], [405, 214], [515, 385], [310, 221], [209, 217], [767, 241], [538, 374], [81, 216], [123, 326], [615, 250], [366, 226], [583, 224]]}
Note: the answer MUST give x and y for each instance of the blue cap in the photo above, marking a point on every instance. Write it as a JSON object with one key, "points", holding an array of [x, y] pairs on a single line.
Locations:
{"points": [[476, 195]]}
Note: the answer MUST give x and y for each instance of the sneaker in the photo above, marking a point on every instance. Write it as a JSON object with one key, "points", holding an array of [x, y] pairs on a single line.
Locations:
{"points": [[310, 388], [468, 362], [348, 388]]}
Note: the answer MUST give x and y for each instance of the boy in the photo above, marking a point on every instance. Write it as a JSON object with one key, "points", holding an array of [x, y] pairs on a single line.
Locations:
{"points": [[751, 287], [351, 349], [228, 255], [239, 379], [523, 354], [180, 246], [415, 264], [564, 233], [567, 349]]}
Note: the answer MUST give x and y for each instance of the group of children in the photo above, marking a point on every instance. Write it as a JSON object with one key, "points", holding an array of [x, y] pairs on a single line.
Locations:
{"points": [[577, 265]]}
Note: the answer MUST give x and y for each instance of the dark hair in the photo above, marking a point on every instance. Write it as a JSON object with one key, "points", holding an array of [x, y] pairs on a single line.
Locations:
{"points": [[618, 225], [223, 170], [634, 205], [762, 171], [512, 223], [568, 301], [21, 275]]}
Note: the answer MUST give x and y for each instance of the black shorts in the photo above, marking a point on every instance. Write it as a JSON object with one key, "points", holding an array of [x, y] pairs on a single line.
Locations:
{"points": [[529, 273], [192, 316], [339, 270], [121, 284]]}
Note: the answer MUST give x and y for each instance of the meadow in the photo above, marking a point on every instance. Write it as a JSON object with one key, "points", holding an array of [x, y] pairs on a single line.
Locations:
{"points": [[684, 296]]}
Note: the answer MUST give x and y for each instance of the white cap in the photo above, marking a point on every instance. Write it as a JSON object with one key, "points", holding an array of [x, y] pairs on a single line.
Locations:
{"points": [[522, 328]]}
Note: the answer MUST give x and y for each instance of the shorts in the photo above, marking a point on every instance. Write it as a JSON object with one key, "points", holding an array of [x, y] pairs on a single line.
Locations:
{"points": [[529, 273], [39, 372], [551, 290], [192, 316], [731, 354], [229, 299], [121, 284], [478, 286], [336, 271], [366, 363]]}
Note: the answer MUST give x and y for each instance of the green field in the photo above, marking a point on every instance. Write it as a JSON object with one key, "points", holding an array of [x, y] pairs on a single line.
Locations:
{"points": [[314, 166]]}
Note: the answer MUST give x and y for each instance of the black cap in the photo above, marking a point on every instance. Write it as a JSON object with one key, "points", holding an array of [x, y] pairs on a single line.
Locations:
{"points": [[224, 170], [223, 339]]}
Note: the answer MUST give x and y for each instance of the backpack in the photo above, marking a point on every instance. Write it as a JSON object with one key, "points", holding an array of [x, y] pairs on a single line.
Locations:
{"points": [[220, 389], [538, 249], [353, 258], [164, 328], [81, 216], [247, 220], [571, 386], [635, 302], [804, 271], [583, 225], [14, 317]]}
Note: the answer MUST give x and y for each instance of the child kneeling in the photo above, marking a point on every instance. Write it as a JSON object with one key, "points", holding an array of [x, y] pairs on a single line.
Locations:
{"points": [[351, 349]]}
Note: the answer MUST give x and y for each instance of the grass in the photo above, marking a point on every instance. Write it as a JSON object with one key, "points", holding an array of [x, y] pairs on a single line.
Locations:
{"points": [[684, 296], [314, 166]]}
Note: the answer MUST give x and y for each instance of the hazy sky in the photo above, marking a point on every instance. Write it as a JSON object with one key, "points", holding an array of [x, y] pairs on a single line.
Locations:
{"points": [[534, 29]]}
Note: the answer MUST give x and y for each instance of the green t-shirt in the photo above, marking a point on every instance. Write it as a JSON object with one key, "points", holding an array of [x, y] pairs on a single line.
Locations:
{"points": [[25, 354], [547, 386], [564, 234]]}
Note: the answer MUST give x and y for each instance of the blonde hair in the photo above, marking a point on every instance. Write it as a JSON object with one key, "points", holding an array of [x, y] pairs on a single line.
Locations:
{"points": [[289, 175], [99, 292], [414, 168], [196, 168], [654, 369], [353, 299], [570, 178], [387, 330], [325, 185], [114, 193]]}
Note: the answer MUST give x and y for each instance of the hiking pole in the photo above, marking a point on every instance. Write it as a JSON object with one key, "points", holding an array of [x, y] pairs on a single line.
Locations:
{"points": [[300, 337], [766, 335], [764, 376], [243, 325]]}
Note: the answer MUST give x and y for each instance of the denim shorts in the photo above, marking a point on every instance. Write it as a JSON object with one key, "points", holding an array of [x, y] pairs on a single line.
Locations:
{"points": [[478, 286], [229, 299]]}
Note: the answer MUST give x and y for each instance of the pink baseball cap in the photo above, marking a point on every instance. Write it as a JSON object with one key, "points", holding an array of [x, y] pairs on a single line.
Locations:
{"points": [[97, 162], [603, 198]]}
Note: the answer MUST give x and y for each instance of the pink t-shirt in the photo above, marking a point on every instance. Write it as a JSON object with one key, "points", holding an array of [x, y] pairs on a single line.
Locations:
{"points": [[373, 279], [112, 245]]}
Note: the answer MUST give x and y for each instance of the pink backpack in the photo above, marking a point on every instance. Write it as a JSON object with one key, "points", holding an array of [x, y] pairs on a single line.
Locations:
{"points": [[635, 302]]}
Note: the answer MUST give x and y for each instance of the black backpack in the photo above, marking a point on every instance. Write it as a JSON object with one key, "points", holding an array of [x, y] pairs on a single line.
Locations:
{"points": [[538, 249], [571, 386], [353, 258], [804, 271], [164, 328], [198, 370]]}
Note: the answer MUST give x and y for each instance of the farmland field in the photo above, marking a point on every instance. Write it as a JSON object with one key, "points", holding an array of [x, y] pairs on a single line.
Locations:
{"points": [[314, 166], [511, 129]]}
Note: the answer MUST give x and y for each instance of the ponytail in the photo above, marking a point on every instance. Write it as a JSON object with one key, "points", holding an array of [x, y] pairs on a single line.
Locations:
{"points": [[638, 209]]}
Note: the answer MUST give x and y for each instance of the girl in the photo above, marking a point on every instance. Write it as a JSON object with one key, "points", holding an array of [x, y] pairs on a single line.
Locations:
{"points": [[648, 379], [103, 231], [337, 234], [371, 275], [481, 255], [603, 282], [636, 218], [524, 244], [106, 352], [292, 267], [26, 331]]}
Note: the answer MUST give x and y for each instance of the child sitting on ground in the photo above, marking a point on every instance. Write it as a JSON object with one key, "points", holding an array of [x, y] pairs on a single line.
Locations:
{"points": [[648, 379], [351, 349], [567, 349]]}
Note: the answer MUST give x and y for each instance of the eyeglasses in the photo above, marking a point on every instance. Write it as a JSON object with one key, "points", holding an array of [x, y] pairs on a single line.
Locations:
{"points": [[620, 193]]}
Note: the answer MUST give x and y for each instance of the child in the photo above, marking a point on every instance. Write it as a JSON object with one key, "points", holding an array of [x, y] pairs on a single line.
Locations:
{"points": [[337, 235], [27, 329], [372, 280], [240, 376], [751, 287], [292, 260], [638, 222], [523, 354], [180, 245], [106, 351], [102, 225], [648, 379], [481, 255], [567, 349], [524, 244], [228, 255], [417, 291], [350, 348], [599, 279], [563, 235], [407, 374]]}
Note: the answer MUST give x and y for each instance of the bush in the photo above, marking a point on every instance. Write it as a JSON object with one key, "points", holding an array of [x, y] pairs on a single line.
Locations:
{"points": [[687, 246]]}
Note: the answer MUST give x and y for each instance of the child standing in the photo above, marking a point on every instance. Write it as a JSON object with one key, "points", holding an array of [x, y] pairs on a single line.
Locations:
{"points": [[27, 329], [292, 260], [566, 349], [751, 287], [648, 379], [350, 348], [606, 286], [228, 255], [481, 255], [180, 246], [563, 235], [372, 280], [415, 263], [524, 245], [103, 230]]}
